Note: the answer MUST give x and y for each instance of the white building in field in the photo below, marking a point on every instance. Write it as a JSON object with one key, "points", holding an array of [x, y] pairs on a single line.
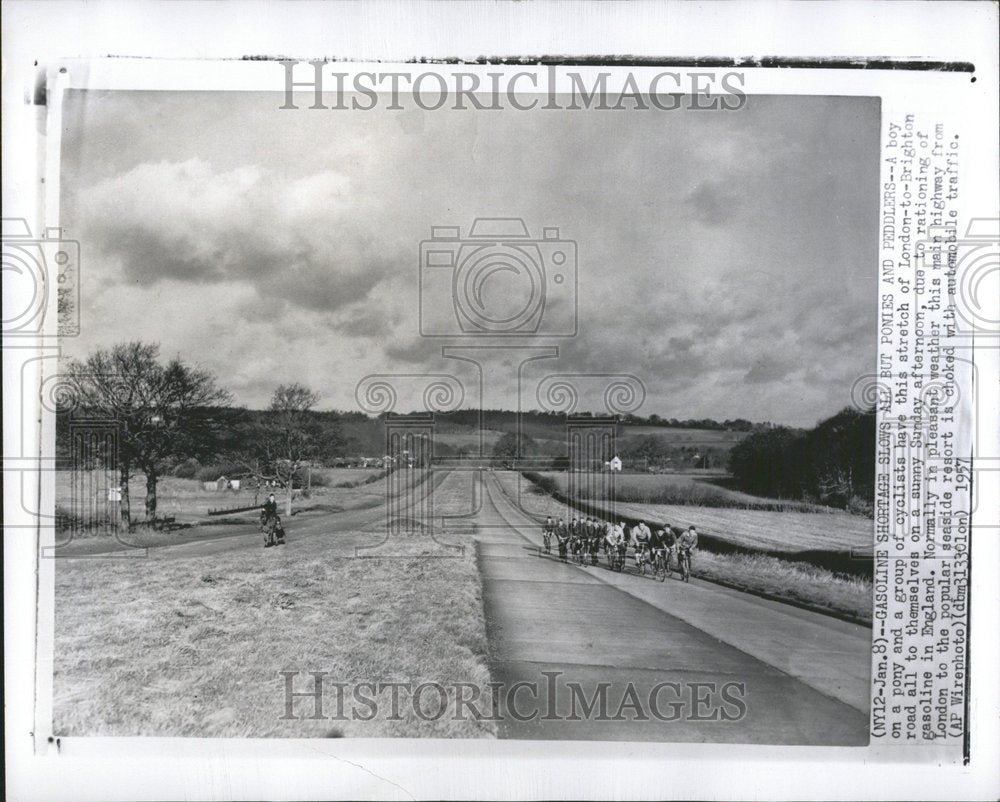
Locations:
{"points": [[615, 464]]}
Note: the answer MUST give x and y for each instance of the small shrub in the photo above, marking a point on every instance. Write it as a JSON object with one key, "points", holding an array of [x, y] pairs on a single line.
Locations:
{"points": [[210, 473], [859, 506], [318, 480], [188, 469]]}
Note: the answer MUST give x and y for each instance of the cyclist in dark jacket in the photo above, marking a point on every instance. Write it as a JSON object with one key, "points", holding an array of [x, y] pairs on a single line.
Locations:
{"points": [[268, 513], [269, 510], [562, 538]]}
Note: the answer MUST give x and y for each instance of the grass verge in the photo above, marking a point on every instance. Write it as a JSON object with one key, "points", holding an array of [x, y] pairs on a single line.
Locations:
{"points": [[194, 646], [804, 585]]}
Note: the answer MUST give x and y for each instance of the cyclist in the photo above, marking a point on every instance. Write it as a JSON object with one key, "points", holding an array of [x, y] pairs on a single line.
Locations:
{"points": [[596, 538], [615, 540], [562, 538], [574, 534], [688, 539], [686, 543], [548, 529], [640, 536], [269, 515], [270, 508], [671, 535], [659, 545]]}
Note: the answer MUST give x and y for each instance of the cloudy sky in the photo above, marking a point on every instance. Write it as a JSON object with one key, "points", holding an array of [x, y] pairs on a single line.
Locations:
{"points": [[727, 259]]}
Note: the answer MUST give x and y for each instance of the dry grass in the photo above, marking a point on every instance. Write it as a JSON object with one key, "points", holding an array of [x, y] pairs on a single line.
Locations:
{"points": [[793, 581], [765, 531], [344, 477], [188, 502], [193, 646], [687, 489], [455, 495]]}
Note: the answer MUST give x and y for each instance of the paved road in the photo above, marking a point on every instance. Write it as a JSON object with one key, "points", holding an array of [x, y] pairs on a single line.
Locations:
{"points": [[356, 528], [804, 676]]}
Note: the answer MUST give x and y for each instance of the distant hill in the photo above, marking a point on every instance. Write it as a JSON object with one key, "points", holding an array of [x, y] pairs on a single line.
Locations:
{"points": [[641, 441]]}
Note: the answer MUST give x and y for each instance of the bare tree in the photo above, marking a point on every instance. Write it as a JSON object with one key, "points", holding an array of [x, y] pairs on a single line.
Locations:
{"points": [[164, 413], [285, 438]]}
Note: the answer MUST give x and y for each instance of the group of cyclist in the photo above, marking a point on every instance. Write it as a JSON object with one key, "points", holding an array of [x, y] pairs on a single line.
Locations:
{"points": [[584, 539]]}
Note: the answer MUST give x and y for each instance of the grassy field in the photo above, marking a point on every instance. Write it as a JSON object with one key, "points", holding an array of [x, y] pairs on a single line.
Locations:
{"points": [[456, 495], [798, 528], [343, 477], [193, 646], [764, 530], [790, 581], [188, 502], [684, 488], [759, 573]]}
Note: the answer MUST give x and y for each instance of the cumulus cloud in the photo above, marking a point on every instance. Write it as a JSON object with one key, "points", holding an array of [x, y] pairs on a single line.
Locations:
{"points": [[307, 241]]}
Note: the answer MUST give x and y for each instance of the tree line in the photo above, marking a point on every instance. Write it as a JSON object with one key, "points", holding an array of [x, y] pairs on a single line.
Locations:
{"points": [[169, 414], [832, 463], [166, 414], [509, 420]]}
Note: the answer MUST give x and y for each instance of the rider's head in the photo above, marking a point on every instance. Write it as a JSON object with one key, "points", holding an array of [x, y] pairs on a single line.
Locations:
{"points": [[271, 497], [692, 529]]}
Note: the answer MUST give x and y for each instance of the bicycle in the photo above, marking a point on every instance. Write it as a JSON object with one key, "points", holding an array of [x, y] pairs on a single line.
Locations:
{"points": [[660, 567], [617, 557], [684, 562], [595, 550], [641, 560], [547, 540], [274, 533], [563, 543]]}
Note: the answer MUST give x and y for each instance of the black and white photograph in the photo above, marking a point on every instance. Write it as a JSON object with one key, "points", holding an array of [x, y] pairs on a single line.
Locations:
{"points": [[644, 513], [596, 408]]}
